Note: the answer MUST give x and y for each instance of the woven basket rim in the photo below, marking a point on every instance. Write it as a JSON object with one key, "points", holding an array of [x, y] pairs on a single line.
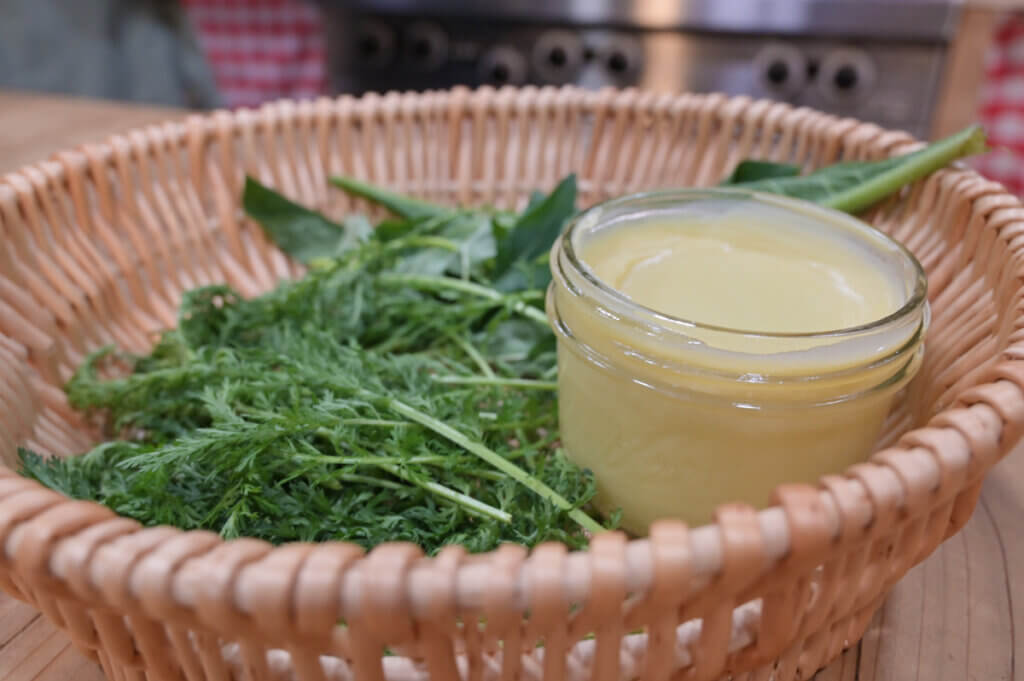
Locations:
{"points": [[800, 525]]}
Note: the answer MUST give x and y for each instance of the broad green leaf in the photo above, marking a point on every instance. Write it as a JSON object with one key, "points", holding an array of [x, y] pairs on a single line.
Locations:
{"points": [[536, 196], [477, 247], [513, 339], [752, 170], [427, 261], [464, 242], [537, 228], [393, 228], [399, 204], [301, 233], [856, 185], [523, 276], [357, 230], [502, 224]]}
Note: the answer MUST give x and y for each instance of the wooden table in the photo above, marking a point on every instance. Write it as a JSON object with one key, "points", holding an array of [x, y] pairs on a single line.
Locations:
{"points": [[959, 616], [33, 126]]}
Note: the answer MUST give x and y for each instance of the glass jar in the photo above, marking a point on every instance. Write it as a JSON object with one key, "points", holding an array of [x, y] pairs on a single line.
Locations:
{"points": [[675, 417]]}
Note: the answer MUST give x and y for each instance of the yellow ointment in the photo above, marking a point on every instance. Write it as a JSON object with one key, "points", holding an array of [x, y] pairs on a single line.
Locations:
{"points": [[729, 273], [715, 344]]}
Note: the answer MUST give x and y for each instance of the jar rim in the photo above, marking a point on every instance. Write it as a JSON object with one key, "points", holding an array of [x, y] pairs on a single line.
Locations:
{"points": [[914, 301]]}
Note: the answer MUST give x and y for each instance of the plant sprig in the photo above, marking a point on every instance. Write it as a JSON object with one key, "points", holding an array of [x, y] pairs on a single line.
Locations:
{"points": [[347, 404], [401, 390]]}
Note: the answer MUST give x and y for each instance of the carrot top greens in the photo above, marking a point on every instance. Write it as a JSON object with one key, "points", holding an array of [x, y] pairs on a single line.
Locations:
{"points": [[393, 393]]}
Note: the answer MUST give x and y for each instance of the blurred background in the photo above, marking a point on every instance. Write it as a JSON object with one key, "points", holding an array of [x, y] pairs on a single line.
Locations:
{"points": [[926, 66]]}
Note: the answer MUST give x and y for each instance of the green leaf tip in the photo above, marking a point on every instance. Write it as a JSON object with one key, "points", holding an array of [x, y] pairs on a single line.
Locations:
{"points": [[402, 206], [304, 234], [854, 186]]}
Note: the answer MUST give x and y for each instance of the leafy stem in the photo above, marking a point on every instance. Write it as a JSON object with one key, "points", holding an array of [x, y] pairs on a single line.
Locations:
{"points": [[491, 457], [387, 463], [853, 186], [448, 283], [472, 353], [528, 383], [909, 168]]}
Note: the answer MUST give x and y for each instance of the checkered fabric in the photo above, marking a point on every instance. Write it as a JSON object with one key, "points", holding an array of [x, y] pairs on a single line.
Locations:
{"points": [[1002, 106], [262, 49]]}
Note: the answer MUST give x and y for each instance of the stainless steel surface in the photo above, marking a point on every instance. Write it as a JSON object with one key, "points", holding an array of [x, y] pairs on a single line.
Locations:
{"points": [[894, 85], [874, 19], [874, 60]]}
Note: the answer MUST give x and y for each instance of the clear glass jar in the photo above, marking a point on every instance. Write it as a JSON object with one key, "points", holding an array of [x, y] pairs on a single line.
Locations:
{"points": [[675, 417]]}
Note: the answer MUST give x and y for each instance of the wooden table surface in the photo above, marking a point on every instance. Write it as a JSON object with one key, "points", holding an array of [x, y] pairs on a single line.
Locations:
{"points": [[952, 618]]}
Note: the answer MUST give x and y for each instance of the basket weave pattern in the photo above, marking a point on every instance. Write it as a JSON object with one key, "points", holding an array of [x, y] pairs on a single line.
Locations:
{"points": [[99, 243]]}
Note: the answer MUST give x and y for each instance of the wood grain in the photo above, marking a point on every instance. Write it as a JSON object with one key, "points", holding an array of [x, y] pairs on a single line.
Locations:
{"points": [[958, 616], [960, 91], [33, 126]]}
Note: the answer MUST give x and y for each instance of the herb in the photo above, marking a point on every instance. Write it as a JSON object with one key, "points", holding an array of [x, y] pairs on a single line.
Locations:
{"points": [[856, 185], [401, 390], [402, 206], [752, 171], [303, 234], [521, 261], [391, 394]]}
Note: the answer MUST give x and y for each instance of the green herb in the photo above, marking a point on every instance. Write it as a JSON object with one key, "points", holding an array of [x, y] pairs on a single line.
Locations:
{"points": [[521, 261], [301, 233], [856, 185], [402, 206], [752, 171], [401, 390], [391, 394]]}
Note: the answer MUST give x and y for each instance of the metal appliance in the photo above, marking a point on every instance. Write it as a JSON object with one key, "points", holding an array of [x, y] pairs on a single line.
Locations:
{"points": [[872, 59]]}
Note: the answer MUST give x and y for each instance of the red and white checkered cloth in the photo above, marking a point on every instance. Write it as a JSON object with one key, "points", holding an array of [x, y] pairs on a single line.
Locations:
{"points": [[1002, 106], [261, 50]]}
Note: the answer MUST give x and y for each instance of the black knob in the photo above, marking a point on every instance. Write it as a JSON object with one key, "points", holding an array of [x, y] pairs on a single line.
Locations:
{"points": [[557, 57], [500, 73], [777, 72], [846, 77], [421, 48], [369, 45], [618, 62], [502, 65]]}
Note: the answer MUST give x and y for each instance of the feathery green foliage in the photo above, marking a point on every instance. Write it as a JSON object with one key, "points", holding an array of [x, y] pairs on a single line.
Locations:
{"points": [[391, 394]]}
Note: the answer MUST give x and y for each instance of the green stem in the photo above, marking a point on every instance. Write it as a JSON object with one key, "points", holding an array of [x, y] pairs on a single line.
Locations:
{"points": [[366, 480], [912, 167], [473, 353], [509, 382], [464, 500], [425, 241], [369, 460], [467, 502], [384, 423], [494, 459], [441, 283]]}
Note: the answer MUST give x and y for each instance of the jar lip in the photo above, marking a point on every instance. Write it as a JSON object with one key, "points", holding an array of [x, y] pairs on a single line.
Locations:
{"points": [[914, 302]]}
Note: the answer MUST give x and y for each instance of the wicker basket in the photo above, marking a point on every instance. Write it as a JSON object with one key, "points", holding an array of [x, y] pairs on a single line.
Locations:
{"points": [[98, 244]]}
